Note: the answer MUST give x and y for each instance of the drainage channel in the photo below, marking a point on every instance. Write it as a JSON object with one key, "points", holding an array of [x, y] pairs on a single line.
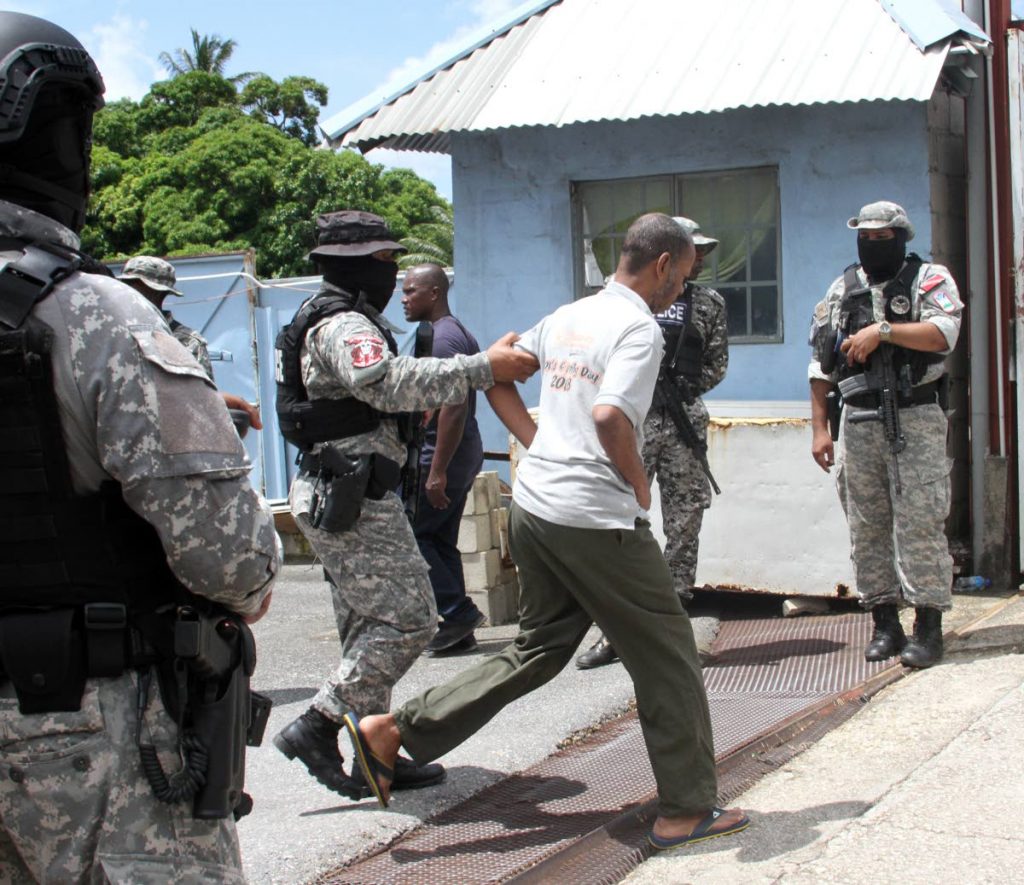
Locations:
{"points": [[580, 816]]}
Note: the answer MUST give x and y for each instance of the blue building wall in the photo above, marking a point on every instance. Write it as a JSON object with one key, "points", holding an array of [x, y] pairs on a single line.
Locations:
{"points": [[513, 212]]}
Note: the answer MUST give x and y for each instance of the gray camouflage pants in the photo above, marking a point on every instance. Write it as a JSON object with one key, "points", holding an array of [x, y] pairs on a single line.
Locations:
{"points": [[685, 494], [383, 602], [76, 806], [898, 543]]}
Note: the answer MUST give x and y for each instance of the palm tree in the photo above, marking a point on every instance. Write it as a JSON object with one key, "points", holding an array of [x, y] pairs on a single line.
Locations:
{"points": [[432, 242], [209, 53]]}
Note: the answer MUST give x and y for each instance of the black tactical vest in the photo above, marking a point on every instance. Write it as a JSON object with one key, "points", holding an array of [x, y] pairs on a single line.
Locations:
{"points": [[77, 572], [684, 343], [900, 293], [305, 422]]}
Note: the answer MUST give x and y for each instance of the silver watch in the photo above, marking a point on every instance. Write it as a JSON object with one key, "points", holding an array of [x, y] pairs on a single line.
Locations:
{"points": [[885, 331]]}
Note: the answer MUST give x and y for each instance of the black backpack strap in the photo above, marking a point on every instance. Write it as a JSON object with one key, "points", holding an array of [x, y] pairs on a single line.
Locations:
{"points": [[28, 280]]}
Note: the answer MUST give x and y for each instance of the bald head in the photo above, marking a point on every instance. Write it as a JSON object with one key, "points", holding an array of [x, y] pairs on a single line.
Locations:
{"points": [[425, 293]]}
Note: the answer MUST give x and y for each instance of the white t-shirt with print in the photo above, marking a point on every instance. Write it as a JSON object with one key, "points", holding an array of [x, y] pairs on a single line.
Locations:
{"points": [[601, 350]]}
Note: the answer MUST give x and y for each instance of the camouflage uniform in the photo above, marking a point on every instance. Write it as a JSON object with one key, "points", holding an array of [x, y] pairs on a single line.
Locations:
{"points": [[159, 276], [685, 490], [898, 543], [75, 804], [382, 596], [192, 341]]}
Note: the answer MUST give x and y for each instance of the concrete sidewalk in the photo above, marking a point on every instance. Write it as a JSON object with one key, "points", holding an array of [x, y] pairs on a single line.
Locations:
{"points": [[924, 785]]}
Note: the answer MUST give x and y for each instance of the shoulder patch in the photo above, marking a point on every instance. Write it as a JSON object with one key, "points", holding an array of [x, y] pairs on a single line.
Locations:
{"points": [[929, 283], [366, 350], [944, 301]]}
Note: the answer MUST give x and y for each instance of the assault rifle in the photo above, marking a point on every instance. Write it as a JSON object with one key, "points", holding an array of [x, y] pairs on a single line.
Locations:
{"points": [[670, 391], [880, 378]]}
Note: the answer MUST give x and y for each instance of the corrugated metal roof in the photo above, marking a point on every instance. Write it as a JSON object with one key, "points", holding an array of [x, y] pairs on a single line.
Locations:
{"points": [[586, 60], [928, 22]]}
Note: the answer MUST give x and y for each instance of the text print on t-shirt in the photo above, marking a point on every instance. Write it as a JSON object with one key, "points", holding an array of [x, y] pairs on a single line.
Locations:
{"points": [[561, 373]]}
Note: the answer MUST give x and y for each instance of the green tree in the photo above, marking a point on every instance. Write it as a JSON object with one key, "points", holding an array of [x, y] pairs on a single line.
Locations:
{"points": [[187, 170], [431, 241], [209, 54], [293, 105]]}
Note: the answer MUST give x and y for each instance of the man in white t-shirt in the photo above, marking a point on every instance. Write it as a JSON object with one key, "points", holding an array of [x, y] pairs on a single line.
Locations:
{"points": [[580, 537]]}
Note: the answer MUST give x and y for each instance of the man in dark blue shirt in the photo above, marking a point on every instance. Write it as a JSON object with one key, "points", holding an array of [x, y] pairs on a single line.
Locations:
{"points": [[450, 459]]}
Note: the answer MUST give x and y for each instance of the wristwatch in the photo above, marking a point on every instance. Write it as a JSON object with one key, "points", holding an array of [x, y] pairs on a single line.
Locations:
{"points": [[885, 331]]}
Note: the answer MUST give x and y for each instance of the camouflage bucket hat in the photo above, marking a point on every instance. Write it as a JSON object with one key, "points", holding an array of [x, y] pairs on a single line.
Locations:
{"points": [[704, 244], [154, 272], [350, 232], [875, 216]]}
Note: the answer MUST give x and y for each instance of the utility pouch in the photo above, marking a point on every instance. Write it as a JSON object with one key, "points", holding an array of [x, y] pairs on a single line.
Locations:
{"points": [[830, 351], [343, 481], [44, 657]]}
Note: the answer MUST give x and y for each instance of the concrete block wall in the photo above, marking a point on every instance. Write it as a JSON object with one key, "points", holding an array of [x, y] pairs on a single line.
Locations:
{"points": [[491, 580]]}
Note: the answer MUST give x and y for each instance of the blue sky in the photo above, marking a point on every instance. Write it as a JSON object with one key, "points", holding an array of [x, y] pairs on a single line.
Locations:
{"points": [[355, 48]]}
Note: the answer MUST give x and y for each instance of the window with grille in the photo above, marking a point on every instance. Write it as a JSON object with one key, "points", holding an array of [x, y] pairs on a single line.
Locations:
{"points": [[738, 207]]}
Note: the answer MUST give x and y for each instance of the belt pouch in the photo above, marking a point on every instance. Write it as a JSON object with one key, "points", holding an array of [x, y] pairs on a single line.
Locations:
{"points": [[43, 656]]}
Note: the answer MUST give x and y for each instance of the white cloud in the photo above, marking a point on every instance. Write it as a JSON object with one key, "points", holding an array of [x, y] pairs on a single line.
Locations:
{"points": [[117, 48]]}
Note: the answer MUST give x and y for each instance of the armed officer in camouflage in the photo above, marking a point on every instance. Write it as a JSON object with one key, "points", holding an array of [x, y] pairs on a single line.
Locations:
{"points": [[880, 338], [696, 348], [346, 399], [124, 495], [154, 279]]}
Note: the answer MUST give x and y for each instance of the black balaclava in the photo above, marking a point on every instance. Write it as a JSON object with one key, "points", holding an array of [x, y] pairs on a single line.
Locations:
{"points": [[362, 273], [882, 259], [47, 169]]}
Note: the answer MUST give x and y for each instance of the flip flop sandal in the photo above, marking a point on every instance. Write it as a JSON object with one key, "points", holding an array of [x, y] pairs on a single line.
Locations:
{"points": [[369, 764], [701, 832]]}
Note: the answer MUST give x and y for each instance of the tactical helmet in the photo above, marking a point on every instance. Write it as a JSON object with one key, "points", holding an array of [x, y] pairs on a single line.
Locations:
{"points": [[46, 77]]}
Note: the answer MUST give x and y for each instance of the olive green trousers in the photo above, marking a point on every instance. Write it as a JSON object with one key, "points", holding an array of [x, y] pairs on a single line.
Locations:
{"points": [[570, 578]]}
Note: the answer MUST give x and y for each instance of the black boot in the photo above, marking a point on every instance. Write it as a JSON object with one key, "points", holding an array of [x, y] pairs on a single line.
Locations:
{"points": [[600, 653], [924, 648], [408, 776], [889, 638], [313, 740]]}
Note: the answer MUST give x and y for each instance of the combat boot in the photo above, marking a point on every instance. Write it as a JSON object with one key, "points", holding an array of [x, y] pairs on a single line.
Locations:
{"points": [[924, 648], [313, 740], [889, 638]]}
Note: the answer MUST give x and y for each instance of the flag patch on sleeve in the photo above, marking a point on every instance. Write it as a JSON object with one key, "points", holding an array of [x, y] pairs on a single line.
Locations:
{"points": [[931, 282], [944, 301], [366, 350]]}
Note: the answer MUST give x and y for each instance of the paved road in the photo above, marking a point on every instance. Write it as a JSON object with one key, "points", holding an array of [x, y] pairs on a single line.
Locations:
{"points": [[299, 828]]}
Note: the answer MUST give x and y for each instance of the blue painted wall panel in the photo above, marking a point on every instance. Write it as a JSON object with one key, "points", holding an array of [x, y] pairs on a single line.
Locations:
{"points": [[513, 215]]}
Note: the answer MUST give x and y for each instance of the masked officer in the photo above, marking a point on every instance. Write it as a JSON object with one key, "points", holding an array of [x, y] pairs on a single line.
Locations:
{"points": [[697, 349], [124, 495], [345, 398], [154, 279], [881, 334]]}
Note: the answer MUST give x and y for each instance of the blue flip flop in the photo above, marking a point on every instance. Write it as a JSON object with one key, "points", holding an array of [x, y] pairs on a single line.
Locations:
{"points": [[369, 764], [700, 833]]}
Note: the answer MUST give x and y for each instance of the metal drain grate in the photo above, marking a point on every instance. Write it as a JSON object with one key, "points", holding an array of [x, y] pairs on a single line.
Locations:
{"points": [[767, 675]]}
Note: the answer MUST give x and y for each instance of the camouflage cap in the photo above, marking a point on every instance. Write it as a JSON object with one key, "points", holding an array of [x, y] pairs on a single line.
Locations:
{"points": [[351, 232], [704, 244], [154, 272], [875, 216]]}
